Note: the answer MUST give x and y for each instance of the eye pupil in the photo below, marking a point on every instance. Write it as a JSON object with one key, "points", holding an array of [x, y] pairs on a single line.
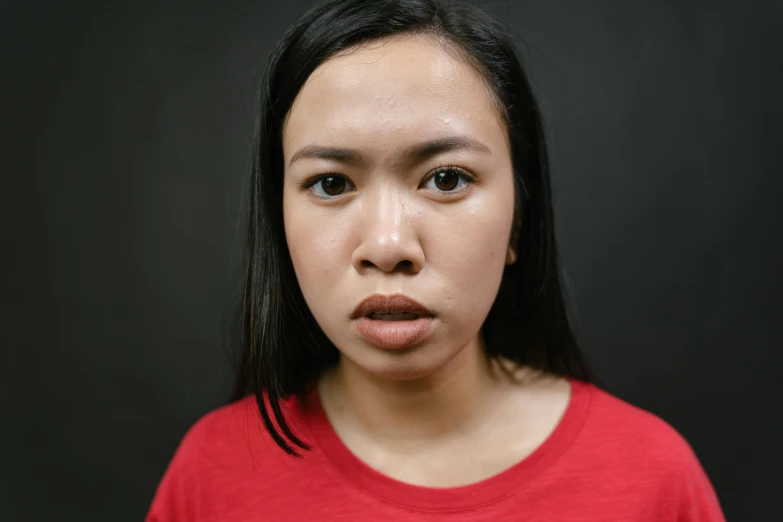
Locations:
{"points": [[333, 185], [447, 180]]}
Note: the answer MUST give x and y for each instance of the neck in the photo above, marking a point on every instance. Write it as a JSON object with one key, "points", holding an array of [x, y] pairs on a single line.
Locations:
{"points": [[450, 401]]}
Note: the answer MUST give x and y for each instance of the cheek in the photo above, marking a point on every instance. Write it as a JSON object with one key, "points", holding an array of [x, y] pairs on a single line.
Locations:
{"points": [[317, 249], [479, 253], [472, 256]]}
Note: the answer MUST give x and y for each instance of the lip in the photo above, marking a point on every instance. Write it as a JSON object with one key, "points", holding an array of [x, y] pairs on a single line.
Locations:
{"points": [[392, 335], [390, 304]]}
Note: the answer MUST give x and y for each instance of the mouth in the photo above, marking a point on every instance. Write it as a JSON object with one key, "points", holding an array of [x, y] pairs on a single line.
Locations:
{"points": [[380, 316], [392, 322], [396, 307]]}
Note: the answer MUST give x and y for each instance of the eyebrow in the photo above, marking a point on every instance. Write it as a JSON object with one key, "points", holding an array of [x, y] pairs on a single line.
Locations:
{"points": [[413, 155]]}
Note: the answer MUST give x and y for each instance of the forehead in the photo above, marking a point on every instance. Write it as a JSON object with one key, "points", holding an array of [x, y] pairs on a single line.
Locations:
{"points": [[401, 89]]}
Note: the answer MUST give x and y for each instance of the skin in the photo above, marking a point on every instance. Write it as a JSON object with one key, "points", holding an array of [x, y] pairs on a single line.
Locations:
{"points": [[392, 228]]}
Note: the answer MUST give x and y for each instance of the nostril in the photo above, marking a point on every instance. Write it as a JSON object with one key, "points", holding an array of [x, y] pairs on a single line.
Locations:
{"points": [[405, 266], [402, 266]]}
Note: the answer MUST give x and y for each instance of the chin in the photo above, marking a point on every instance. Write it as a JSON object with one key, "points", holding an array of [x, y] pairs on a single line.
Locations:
{"points": [[400, 365]]}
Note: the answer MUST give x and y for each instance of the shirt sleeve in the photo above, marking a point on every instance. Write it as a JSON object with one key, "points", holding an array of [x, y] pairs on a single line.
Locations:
{"points": [[174, 499], [698, 500]]}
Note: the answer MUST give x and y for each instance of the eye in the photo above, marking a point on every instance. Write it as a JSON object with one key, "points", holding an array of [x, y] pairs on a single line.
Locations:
{"points": [[449, 179], [329, 186]]}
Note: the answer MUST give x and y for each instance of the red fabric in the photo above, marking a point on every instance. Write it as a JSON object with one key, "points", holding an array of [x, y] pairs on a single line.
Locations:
{"points": [[606, 460]]}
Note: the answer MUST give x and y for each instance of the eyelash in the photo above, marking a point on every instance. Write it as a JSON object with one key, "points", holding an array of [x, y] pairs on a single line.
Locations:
{"points": [[464, 175]]}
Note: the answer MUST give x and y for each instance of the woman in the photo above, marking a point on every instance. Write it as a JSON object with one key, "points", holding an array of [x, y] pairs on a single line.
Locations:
{"points": [[407, 350]]}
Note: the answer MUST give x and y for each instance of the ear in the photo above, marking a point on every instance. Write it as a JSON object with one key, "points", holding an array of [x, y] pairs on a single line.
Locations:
{"points": [[511, 254]]}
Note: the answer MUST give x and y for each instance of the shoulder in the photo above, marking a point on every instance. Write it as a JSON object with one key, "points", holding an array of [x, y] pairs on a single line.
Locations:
{"points": [[222, 450], [646, 453], [636, 433], [232, 436], [639, 443]]}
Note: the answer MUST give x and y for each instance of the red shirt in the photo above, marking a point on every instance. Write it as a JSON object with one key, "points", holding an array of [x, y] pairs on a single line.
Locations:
{"points": [[605, 461]]}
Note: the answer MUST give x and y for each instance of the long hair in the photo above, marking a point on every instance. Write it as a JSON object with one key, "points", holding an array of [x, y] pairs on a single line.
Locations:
{"points": [[283, 348]]}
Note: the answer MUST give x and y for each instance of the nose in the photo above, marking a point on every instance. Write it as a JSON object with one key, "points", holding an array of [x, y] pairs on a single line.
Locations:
{"points": [[389, 240]]}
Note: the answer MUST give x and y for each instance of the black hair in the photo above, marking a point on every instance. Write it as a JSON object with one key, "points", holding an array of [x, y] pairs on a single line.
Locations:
{"points": [[283, 348]]}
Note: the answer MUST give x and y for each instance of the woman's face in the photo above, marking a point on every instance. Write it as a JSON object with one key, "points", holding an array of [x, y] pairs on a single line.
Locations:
{"points": [[417, 201]]}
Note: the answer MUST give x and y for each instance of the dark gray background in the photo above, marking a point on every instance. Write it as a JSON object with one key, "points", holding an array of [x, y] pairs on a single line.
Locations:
{"points": [[125, 142]]}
